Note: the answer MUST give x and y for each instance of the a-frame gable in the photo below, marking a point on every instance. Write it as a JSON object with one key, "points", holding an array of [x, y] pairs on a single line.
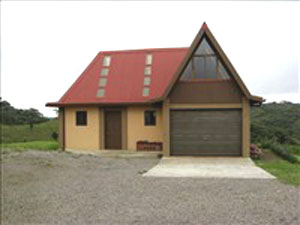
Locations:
{"points": [[204, 64], [206, 34]]}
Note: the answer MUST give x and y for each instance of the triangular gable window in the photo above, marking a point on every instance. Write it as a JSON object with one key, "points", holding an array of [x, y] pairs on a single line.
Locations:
{"points": [[205, 64]]}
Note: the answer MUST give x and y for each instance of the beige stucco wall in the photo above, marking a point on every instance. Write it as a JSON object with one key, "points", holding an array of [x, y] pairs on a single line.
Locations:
{"points": [[82, 137], [137, 131]]}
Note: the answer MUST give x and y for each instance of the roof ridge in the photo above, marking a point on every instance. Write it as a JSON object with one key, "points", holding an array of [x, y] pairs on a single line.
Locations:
{"points": [[128, 51]]}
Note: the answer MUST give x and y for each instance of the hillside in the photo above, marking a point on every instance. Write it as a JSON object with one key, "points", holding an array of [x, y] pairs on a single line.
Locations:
{"points": [[22, 133], [276, 121]]}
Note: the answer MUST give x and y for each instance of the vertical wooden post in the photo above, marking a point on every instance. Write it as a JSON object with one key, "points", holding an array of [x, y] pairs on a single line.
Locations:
{"points": [[61, 129], [245, 127], [166, 127], [101, 129], [124, 128]]}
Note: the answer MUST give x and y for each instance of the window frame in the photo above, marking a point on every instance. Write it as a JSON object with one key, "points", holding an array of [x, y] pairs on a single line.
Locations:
{"points": [[81, 121], [151, 120]]}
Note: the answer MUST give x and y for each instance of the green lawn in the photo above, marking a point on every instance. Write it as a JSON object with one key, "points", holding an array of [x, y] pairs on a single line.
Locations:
{"points": [[285, 171], [23, 133], [36, 145]]}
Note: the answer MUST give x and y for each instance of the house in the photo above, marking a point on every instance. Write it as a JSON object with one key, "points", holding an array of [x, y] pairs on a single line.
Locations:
{"points": [[184, 101]]}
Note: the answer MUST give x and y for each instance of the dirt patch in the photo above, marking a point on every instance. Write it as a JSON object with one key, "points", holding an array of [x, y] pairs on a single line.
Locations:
{"points": [[269, 156]]}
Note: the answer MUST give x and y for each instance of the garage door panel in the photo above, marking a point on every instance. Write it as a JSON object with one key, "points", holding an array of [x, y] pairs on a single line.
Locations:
{"points": [[205, 132]]}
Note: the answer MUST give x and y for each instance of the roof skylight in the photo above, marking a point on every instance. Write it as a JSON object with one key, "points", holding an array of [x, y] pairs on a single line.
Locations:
{"points": [[147, 70], [148, 59], [101, 92], [146, 91], [104, 71], [106, 60]]}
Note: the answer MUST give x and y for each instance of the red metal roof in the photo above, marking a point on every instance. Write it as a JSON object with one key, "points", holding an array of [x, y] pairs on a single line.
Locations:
{"points": [[125, 79]]}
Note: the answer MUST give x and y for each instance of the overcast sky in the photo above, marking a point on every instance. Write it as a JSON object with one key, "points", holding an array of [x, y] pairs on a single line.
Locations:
{"points": [[45, 46]]}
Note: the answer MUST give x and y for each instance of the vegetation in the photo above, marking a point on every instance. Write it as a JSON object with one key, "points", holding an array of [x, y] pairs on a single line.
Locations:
{"points": [[281, 151], [13, 116], [279, 122], [23, 133], [18, 125], [40, 145], [276, 127], [286, 172]]}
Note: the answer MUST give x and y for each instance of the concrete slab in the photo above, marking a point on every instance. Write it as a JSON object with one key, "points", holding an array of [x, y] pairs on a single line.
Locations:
{"points": [[208, 167], [117, 153]]}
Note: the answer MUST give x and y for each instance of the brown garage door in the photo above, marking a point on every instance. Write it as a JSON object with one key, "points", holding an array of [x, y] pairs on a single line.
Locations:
{"points": [[205, 132]]}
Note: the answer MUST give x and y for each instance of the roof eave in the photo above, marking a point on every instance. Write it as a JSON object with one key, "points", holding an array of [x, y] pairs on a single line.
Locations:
{"points": [[62, 104], [256, 100]]}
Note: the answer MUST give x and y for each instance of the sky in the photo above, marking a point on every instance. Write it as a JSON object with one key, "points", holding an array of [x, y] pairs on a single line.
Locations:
{"points": [[46, 45]]}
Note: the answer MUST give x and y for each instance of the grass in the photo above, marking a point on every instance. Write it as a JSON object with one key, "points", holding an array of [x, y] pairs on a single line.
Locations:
{"points": [[36, 145], [23, 133], [285, 171], [293, 149]]}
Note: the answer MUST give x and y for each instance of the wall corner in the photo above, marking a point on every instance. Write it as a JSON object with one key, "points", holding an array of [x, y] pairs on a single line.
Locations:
{"points": [[246, 136], [166, 127]]}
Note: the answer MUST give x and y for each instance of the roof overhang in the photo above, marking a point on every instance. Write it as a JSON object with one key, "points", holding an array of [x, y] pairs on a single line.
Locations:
{"points": [[111, 104]]}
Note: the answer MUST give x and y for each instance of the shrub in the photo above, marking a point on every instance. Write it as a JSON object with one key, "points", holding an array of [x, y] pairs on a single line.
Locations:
{"points": [[54, 135], [255, 152]]}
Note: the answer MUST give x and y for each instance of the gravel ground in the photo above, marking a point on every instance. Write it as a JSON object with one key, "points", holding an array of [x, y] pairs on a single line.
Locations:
{"points": [[63, 188]]}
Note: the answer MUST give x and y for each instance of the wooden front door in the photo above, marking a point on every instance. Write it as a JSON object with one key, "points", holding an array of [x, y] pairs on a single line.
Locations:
{"points": [[113, 136]]}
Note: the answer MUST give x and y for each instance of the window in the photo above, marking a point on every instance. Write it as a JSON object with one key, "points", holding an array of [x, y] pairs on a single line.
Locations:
{"points": [[102, 82], [150, 118], [106, 60], [205, 67], [147, 70], [148, 59], [101, 92], [81, 118], [205, 64], [204, 48], [104, 72], [147, 81], [146, 91]]}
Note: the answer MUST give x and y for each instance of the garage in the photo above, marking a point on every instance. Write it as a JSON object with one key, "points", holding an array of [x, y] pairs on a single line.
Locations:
{"points": [[214, 132]]}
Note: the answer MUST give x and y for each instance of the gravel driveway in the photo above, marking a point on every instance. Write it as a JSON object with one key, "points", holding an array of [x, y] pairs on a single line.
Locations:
{"points": [[63, 188]]}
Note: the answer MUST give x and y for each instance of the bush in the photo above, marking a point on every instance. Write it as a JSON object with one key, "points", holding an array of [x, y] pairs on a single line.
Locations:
{"points": [[54, 135], [280, 150], [255, 152]]}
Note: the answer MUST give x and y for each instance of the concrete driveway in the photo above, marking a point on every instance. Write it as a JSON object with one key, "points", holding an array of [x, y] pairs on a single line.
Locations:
{"points": [[208, 167]]}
